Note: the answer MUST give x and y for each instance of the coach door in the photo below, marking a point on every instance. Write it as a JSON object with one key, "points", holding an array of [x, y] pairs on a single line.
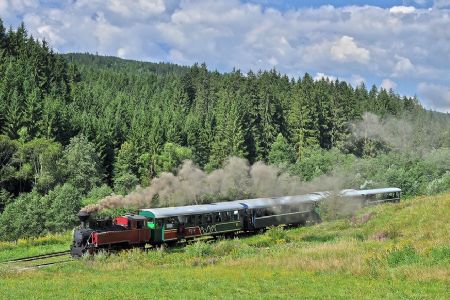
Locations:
{"points": [[139, 227]]}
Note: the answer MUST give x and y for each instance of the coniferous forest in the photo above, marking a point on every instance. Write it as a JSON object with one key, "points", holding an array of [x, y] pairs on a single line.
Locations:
{"points": [[77, 127]]}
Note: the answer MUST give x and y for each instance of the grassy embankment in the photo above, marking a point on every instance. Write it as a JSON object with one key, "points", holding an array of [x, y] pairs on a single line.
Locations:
{"points": [[391, 251]]}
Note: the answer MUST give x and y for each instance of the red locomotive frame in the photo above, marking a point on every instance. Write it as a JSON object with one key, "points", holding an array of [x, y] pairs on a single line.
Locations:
{"points": [[129, 231]]}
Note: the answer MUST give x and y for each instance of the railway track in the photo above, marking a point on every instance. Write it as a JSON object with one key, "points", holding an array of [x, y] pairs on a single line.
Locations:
{"points": [[39, 261]]}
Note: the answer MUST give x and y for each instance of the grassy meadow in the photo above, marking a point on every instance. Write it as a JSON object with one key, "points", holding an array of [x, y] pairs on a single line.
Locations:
{"points": [[392, 251]]}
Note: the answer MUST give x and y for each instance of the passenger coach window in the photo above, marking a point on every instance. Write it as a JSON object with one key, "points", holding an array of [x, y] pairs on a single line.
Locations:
{"points": [[226, 216], [218, 218], [208, 219], [236, 215]]}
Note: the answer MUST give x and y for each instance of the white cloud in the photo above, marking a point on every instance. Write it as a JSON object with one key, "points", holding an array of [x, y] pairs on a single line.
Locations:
{"points": [[3, 5], [356, 80], [441, 3], [435, 96], [388, 84], [402, 9], [320, 76], [135, 8], [345, 50], [403, 65], [23, 5]]}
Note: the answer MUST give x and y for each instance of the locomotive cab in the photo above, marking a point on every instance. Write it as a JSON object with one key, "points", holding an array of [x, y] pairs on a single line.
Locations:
{"points": [[131, 222], [121, 233]]}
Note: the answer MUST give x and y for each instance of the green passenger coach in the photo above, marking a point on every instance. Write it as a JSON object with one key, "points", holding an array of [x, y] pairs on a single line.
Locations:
{"points": [[172, 224]]}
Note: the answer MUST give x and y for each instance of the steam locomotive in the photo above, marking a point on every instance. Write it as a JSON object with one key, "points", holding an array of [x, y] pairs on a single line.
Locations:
{"points": [[170, 225]]}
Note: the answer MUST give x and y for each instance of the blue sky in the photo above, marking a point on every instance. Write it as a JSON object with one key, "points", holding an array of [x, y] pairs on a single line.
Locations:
{"points": [[292, 4], [404, 45]]}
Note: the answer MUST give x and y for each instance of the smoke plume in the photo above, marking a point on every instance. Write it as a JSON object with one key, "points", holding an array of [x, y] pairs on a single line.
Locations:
{"points": [[395, 132], [419, 134], [236, 180]]}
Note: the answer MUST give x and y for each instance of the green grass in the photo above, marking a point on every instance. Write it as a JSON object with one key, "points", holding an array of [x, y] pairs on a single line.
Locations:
{"points": [[392, 251], [34, 246]]}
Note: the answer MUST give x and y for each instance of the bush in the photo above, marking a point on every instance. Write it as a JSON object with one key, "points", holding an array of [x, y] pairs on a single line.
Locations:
{"points": [[440, 255], [316, 161], [320, 237], [439, 185], [64, 202], [33, 215], [5, 199], [24, 217], [404, 256], [199, 249], [277, 234]]}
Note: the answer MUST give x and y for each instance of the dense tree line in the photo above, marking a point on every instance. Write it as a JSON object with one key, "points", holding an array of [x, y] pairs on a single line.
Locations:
{"points": [[77, 127]]}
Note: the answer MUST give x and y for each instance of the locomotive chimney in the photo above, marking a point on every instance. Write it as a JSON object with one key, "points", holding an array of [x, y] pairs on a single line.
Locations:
{"points": [[83, 216]]}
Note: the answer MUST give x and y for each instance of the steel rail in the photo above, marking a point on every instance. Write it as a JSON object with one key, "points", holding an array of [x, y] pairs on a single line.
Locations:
{"points": [[43, 265], [37, 257]]}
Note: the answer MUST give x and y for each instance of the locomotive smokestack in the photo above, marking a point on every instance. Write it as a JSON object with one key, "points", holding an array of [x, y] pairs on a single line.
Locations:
{"points": [[83, 216]]}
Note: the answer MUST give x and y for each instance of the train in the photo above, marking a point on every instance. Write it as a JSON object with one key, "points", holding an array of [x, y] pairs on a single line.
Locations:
{"points": [[170, 225]]}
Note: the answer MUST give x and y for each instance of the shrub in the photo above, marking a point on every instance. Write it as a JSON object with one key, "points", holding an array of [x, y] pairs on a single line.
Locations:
{"points": [[64, 202], [23, 217], [403, 256], [440, 255], [199, 249], [439, 185], [321, 238], [277, 234]]}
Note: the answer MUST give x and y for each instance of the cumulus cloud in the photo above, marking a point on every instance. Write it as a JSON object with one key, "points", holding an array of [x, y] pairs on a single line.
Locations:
{"points": [[404, 43], [402, 9], [3, 5], [388, 84], [137, 7], [435, 96], [403, 65], [346, 49], [354, 79], [320, 76], [441, 3]]}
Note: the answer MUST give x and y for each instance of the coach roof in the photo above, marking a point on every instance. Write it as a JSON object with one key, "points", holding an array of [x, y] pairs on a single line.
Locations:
{"points": [[370, 192], [165, 212], [285, 200]]}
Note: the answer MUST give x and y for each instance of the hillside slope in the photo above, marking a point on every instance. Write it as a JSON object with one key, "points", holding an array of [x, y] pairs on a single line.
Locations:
{"points": [[391, 251], [119, 64]]}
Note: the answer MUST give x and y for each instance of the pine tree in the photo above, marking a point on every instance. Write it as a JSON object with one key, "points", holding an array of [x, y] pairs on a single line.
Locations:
{"points": [[33, 112], [303, 117], [13, 116], [229, 136], [3, 37]]}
